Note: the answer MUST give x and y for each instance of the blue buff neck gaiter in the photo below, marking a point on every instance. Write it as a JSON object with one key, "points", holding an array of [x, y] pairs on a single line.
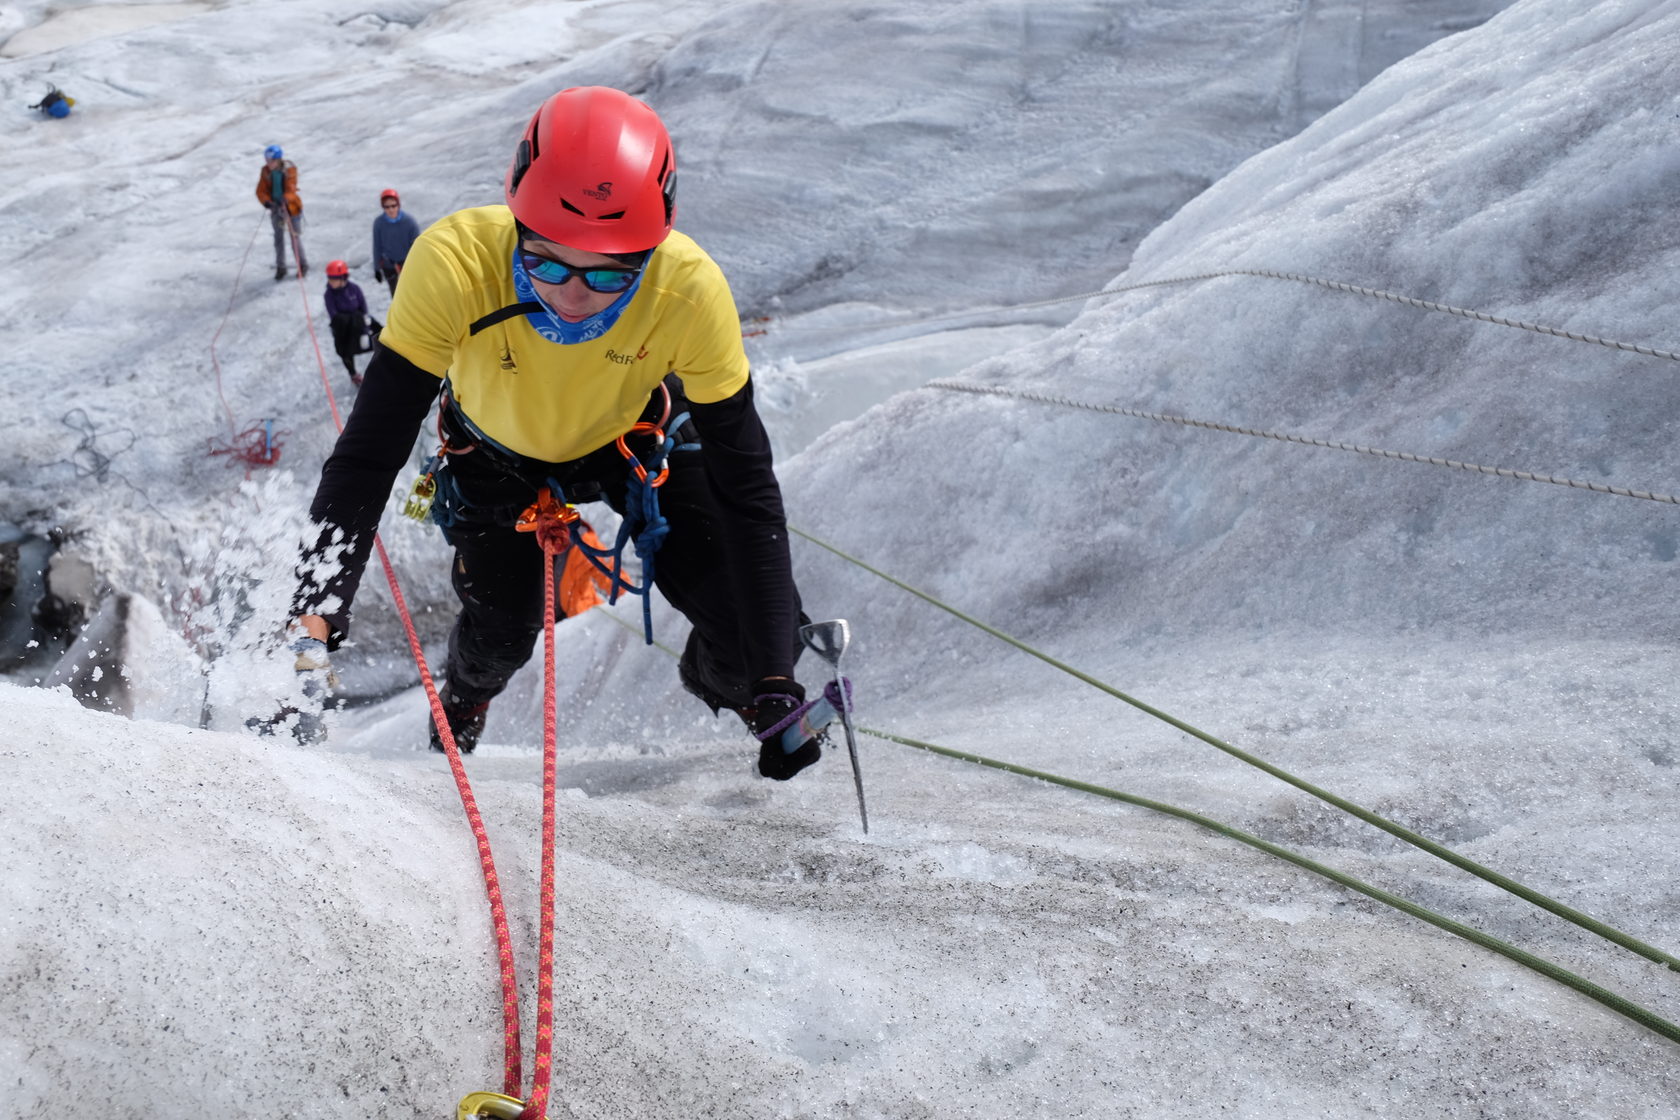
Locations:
{"points": [[555, 329]]}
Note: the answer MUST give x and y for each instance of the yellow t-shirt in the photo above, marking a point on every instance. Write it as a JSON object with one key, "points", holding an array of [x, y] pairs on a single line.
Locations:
{"points": [[543, 399]]}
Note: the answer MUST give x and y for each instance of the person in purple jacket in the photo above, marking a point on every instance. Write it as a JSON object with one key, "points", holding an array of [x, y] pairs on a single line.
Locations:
{"points": [[394, 233], [347, 311]]}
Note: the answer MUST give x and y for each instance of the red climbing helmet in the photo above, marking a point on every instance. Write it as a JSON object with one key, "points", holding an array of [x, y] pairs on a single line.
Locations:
{"points": [[390, 193], [338, 268], [594, 171]]}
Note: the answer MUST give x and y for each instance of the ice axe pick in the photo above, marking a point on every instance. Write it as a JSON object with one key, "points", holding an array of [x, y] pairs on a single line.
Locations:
{"points": [[828, 640]]}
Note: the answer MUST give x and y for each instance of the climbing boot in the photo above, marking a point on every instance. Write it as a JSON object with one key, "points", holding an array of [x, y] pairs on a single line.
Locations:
{"points": [[466, 722]]}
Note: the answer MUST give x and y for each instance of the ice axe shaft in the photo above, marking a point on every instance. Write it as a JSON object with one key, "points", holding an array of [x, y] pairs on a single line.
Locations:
{"points": [[828, 640]]}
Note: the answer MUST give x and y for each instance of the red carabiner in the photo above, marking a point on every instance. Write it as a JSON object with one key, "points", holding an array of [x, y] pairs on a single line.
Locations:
{"points": [[443, 439]]}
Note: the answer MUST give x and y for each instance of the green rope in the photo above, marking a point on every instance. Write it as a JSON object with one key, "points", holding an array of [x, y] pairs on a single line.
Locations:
{"points": [[1614, 1002], [1585, 921]]}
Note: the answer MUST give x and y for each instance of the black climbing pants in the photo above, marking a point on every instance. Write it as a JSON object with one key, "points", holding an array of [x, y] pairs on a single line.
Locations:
{"points": [[348, 329]]}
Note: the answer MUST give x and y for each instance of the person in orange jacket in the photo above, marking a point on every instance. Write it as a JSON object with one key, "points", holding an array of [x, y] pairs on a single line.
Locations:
{"points": [[277, 191]]}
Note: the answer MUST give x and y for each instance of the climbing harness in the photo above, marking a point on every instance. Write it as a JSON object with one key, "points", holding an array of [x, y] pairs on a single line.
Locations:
{"points": [[420, 505], [1309, 441], [435, 497]]}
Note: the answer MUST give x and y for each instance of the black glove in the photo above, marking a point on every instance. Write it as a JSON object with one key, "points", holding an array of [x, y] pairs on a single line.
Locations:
{"points": [[378, 275], [774, 699]]}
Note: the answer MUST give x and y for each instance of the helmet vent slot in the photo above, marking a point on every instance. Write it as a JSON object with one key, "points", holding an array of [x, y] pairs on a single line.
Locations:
{"points": [[521, 164]]}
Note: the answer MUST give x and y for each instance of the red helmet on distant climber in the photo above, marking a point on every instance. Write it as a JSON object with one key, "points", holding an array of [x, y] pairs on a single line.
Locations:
{"points": [[594, 171], [338, 269], [390, 193]]}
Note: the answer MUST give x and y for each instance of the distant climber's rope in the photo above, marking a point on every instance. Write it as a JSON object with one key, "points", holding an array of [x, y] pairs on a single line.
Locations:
{"points": [[1619, 1004], [1440, 851], [1332, 285], [1334, 445], [309, 324], [258, 445], [215, 362]]}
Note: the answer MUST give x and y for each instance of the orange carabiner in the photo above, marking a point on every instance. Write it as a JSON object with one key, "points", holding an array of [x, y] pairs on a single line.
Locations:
{"points": [[642, 427], [549, 518]]}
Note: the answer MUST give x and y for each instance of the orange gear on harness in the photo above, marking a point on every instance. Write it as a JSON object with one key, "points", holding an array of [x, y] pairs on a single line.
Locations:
{"points": [[582, 584]]}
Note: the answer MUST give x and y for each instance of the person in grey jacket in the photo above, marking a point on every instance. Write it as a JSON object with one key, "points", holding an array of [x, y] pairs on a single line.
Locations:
{"points": [[393, 234]]}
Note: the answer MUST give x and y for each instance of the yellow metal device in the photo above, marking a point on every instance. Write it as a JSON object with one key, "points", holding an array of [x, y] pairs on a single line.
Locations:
{"points": [[490, 1106], [420, 496]]}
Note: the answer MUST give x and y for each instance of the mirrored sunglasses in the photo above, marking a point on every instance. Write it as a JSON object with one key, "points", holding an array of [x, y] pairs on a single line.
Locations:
{"points": [[604, 280]]}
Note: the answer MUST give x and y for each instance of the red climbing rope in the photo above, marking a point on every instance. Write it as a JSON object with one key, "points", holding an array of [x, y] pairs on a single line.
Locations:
{"points": [[225, 314], [259, 444], [512, 1075], [551, 524], [309, 321], [551, 521]]}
